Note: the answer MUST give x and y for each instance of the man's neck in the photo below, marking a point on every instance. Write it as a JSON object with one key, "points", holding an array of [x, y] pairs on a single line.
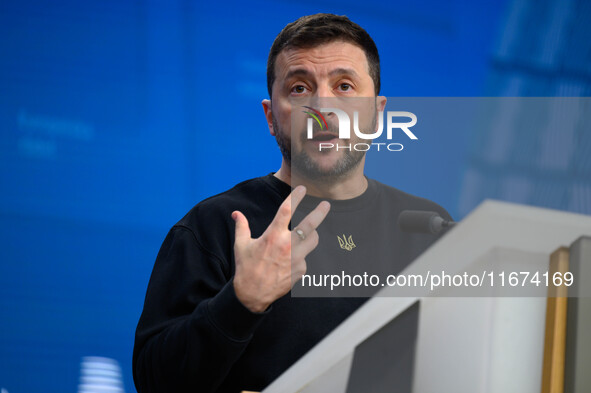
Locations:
{"points": [[350, 186]]}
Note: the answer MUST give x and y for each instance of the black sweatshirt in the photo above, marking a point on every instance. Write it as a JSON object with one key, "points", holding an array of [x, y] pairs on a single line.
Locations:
{"points": [[194, 335]]}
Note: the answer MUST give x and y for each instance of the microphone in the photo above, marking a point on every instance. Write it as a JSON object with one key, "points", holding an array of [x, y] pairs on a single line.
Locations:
{"points": [[422, 222]]}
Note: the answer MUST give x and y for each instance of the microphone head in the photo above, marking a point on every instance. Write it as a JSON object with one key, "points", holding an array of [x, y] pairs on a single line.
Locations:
{"points": [[420, 221]]}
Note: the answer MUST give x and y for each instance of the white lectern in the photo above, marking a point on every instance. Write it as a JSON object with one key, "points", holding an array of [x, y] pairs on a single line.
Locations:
{"points": [[485, 343]]}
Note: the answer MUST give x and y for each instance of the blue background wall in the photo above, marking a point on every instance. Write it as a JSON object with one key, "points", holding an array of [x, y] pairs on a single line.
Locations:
{"points": [[103, 108]]}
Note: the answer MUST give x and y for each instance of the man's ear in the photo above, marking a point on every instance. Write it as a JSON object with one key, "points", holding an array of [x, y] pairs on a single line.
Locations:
{"points": [[381, 103], [268, 115]]}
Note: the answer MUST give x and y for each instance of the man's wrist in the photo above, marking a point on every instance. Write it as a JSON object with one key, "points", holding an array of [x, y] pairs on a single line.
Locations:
{"points": [[253, 305]]}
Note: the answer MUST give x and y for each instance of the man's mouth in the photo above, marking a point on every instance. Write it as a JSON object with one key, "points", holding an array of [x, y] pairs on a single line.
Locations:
{"points": [[325, 136]]}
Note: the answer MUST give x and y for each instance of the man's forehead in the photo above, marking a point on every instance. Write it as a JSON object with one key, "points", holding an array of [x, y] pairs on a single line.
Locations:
{"points": [[332, 57]]}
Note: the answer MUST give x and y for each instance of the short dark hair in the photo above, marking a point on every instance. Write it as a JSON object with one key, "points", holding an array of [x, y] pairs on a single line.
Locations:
{"points": [[313, 30]]}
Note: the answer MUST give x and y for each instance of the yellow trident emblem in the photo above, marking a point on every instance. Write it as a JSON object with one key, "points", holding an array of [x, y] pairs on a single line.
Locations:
{"points": [[346, 243]]}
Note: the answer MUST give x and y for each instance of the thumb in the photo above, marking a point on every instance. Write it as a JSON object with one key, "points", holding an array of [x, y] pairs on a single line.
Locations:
{"points": [[242, 228]]}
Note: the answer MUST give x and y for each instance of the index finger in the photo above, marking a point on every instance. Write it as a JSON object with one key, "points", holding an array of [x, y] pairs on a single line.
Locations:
{"points": [[289, 205]]}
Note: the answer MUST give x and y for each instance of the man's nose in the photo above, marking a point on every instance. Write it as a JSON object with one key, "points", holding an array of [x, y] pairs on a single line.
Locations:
{"points": [[322, 97], [324, 91]]}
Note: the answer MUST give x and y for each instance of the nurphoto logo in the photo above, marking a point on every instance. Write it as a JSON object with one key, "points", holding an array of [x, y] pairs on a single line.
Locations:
{"points": [[344, 122]]}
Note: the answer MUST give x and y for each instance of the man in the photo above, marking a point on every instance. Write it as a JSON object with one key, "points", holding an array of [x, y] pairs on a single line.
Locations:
{"points": [[218, 315]]}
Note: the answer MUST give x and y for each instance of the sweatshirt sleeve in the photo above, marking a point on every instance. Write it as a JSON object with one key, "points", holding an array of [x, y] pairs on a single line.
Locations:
{"points": [[193, 327]]}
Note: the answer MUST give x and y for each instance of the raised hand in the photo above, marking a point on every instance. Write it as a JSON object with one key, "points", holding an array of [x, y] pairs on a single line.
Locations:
{"points": [[269, 266]]}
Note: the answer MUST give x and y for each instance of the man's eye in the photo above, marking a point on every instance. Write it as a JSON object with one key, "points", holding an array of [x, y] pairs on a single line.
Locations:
{"points": [[345, 87], [299, 89]]}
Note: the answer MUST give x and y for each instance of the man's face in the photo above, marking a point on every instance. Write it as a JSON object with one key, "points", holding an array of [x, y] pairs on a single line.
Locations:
{"points": [[304, 77]]}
